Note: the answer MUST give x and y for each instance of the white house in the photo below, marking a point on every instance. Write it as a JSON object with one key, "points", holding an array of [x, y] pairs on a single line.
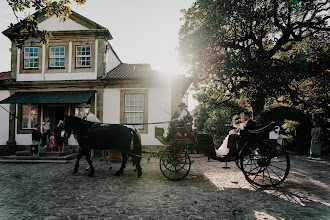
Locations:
{"points": [[78, 67]]}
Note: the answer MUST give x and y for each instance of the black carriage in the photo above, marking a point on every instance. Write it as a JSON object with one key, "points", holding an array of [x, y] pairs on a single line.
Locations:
{"points": [[263, 161]]}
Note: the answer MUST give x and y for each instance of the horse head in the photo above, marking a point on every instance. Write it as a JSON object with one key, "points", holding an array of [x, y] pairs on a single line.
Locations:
{"points": [[70, 125]]}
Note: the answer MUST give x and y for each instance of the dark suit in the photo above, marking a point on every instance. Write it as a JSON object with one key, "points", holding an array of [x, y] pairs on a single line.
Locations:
{"points": [[233, 137], [250, 125]]}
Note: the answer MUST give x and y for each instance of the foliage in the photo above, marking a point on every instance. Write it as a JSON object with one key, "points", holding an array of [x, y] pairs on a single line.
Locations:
{"points": [[215, 111], [252, 48], [290, 125], [28, 26]]}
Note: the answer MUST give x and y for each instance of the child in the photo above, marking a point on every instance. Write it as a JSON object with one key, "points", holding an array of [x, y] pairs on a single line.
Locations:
{"points": [[52, 141]]}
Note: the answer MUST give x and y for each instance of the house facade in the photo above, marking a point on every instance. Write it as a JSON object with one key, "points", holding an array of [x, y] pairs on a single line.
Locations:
{"points": [[78, 68]]}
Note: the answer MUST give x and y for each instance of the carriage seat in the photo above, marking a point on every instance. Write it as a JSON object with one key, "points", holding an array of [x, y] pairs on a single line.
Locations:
{"points": [[263, 128]]}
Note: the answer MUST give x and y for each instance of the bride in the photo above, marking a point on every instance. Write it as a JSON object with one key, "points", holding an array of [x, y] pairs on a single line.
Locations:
{"points": [[223, 150]]}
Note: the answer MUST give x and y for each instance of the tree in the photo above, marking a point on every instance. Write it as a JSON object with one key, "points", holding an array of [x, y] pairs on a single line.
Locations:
{"points": [[215, 111], [240, 44], [28, 26]]}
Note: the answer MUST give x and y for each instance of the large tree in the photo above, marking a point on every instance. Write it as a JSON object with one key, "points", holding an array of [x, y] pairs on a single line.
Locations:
{"points": [[28, 25], [241, 44]]}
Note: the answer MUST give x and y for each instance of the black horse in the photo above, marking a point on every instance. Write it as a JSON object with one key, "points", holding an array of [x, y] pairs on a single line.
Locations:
{"points": [[92, 135]]}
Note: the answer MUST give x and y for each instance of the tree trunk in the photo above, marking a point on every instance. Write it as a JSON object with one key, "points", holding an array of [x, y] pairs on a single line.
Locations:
{"points": [[257, 105]]}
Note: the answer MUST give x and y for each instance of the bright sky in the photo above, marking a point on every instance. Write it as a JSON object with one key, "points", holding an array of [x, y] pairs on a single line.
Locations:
{"points": [[144, 31]]}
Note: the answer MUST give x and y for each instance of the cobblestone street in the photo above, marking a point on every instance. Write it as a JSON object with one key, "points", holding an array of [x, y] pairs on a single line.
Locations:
{"points": [[49, 191]]}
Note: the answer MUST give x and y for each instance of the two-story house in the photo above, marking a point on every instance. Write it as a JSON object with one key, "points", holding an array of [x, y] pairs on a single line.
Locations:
{"points": [[79, 68]]}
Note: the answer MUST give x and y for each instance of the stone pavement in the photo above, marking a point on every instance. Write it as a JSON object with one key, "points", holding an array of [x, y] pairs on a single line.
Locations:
{"points": [[49, 191]]}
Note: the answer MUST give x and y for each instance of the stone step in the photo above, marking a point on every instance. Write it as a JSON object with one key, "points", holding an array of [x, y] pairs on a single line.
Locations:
{"points": [[44, 159], [45, 153]]}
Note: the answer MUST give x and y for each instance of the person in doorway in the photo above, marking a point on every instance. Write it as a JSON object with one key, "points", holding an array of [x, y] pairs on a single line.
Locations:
{"points": [[60, 136], [52, 143], [316, 143], [46, 130], [36, 136]]}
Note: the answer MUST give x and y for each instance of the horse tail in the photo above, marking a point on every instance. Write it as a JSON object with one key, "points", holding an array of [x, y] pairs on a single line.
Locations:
{"points": [[137, 146]]}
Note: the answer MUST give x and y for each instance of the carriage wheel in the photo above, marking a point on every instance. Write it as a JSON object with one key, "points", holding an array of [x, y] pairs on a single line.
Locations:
{"points": [[265, 166], [175, 163], [238, 164]]}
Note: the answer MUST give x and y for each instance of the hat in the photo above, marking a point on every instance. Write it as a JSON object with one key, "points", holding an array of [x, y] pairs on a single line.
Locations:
{"points": [[182, 104]]}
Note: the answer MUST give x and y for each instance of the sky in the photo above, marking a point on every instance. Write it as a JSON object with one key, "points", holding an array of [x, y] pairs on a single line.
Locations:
{"points": [[144, 31]]}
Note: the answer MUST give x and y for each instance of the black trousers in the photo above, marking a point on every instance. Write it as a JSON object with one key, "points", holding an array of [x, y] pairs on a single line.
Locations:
{"points": [[232, 139]]}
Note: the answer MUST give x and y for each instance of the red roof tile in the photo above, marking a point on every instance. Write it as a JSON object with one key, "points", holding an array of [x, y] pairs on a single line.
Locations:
{"points": [[132, 71]]}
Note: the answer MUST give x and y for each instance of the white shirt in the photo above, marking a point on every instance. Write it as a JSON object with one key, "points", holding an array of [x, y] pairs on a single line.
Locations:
{"points": [[241, 126], [91, 117], [184, 114], [46, 126]]}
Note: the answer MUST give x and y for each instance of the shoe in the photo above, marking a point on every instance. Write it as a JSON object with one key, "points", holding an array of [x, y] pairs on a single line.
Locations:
{"points": [[318, 158], [45, 146], [309, 158]]}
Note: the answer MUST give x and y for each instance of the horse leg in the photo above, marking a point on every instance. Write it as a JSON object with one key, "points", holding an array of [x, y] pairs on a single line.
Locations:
{"points": [[91, 168], [92, 156], [75, 170], [121, 170], [138, 166]]}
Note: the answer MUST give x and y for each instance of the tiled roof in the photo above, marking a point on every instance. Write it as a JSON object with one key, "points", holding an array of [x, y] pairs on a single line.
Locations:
{"points": [[5, 76], [132, 71]]}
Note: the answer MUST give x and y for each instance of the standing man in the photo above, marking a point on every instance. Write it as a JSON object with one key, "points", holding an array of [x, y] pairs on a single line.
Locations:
{"points": [[36, 136], [89, 116]]}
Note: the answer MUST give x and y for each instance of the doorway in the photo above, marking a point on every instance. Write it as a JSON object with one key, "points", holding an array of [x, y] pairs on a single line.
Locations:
{"points": [[55, 112]]}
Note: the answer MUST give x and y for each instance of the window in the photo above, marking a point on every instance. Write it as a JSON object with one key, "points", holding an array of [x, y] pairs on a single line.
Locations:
{"points": [[83, 56], [56, 57], [134, 109], [29, 116], [31, 59]]}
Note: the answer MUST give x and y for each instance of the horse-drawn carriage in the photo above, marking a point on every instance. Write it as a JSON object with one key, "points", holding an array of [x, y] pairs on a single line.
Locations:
{"points": [[263, 162]]}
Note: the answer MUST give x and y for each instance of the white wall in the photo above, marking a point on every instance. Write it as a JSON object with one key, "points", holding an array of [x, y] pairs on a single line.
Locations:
{"points": [[111, 61], [159, 108], [4, 118], [53, 24], [56, 76], [111, 106]]}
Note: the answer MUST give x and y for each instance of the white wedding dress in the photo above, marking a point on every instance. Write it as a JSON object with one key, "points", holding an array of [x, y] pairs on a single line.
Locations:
{"points": [[223, 150]]}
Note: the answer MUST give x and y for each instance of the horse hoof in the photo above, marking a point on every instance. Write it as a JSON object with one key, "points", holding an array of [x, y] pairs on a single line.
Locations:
{"points": [[110, 168], [87, 169], [139, 174], [134, 170], [75, 171], [91, 173], [118, 173]]}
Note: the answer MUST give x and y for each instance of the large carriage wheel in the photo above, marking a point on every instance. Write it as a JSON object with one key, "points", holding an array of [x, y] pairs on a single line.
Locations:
{"points": [[266, 165], [175, 162]]}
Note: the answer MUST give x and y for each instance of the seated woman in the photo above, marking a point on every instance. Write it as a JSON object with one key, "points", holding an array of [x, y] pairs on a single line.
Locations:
{"points": [[230, 140]]}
